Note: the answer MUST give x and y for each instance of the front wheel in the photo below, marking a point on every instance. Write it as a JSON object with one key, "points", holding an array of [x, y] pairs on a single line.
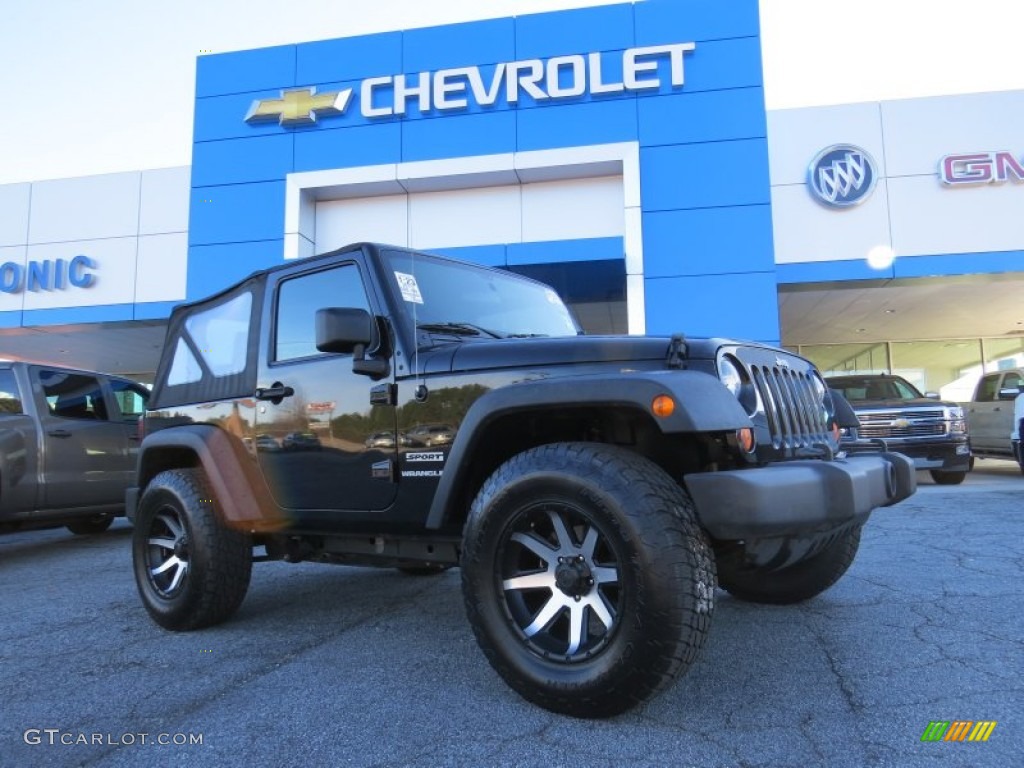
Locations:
{"points": [[190, 570], [795, 583], [587, 581], [947, 478]]}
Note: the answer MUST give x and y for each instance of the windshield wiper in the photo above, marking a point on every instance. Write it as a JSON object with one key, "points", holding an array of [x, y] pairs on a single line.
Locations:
{"points": [[458, 329]]}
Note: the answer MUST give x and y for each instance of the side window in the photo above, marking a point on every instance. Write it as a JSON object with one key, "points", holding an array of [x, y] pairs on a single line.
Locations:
{"points": [[72, 395], [988, 389], [1011, 381], [221, 335], [299, 298], [10, 400], [131, 399]]}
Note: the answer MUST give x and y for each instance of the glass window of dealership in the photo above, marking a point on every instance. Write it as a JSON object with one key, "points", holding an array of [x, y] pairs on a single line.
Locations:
{"points": [[622, 153]]}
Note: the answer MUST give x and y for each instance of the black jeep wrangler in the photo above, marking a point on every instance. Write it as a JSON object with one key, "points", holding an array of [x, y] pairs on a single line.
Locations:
{"points": [[589, 488]]}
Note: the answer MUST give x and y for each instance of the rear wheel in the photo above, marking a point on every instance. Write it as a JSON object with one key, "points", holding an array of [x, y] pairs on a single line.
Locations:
{"points": [[89, 525], [587, 581], [947, 478], [795, 583], [190, 570]]}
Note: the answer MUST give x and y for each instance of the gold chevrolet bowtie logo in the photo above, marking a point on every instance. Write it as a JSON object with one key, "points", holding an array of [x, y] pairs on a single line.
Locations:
{"points": [[300, 106]]}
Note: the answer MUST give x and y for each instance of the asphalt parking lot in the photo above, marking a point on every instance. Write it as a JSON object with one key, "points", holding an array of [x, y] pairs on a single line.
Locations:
{"points": [[360, 667]]}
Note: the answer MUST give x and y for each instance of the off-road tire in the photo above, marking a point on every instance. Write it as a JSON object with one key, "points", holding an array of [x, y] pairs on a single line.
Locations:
{"points": [[191, 571], [649, 563], [947, 478], [90, 525], [795, 583]]}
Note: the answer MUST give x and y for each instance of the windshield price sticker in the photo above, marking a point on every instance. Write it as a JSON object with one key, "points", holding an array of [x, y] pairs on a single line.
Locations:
{"points": [[409, 287]]}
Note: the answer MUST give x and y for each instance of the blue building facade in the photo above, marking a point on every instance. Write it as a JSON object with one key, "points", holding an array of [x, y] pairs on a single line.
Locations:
{"points": [[666, 96]]}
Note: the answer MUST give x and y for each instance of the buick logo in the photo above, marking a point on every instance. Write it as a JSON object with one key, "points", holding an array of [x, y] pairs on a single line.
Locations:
{"points": [[841, 176]]}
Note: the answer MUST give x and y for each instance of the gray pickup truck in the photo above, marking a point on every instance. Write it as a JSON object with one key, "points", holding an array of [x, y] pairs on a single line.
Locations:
{"points": [[990, 414], [68, 446]]}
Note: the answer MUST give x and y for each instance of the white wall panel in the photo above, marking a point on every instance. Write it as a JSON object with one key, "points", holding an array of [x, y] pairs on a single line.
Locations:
{"points": [[559, 210], [375, 219], [795, 136], [115, 273], [14, 206], [85, 208], [465, 217], [928, 218], [162, 267], [12, 301], [920, 131], [808, 231], [573, 209], [164, 201]]}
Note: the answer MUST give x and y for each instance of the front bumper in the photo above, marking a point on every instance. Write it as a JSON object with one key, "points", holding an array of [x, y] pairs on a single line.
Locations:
{"points": [[796, 498]]}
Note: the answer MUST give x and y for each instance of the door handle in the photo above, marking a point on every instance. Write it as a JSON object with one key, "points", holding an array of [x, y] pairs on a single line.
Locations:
{"points": [[276, 392], [59, 433]]}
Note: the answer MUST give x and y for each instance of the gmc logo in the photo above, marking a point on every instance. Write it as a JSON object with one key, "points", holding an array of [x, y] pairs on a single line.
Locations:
{"points": [[980, 168]]}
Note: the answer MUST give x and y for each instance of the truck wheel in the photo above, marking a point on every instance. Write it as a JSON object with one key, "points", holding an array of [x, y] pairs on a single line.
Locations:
{"points": [[95, 524], [795, 583], [947, 478], [191, 571], [587, 580]]}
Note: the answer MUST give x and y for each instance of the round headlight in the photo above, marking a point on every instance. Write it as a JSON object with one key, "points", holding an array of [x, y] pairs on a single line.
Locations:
{"points": [[819, 387], [824, 395], [730, 376]]}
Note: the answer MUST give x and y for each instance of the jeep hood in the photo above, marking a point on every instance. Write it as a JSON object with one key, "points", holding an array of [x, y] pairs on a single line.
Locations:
{"points": [[475, 354]]}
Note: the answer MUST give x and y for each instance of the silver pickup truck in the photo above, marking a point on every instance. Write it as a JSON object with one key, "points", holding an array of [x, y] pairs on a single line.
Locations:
{"points": [[68, 445], [990, 419]]}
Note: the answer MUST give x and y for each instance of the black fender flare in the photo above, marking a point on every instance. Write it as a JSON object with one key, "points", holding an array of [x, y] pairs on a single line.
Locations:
{"points": [[243, 499], [703, 404]]}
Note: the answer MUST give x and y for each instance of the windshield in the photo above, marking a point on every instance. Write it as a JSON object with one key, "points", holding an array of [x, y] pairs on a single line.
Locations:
{"points": [[855, 388], [449, 298]]}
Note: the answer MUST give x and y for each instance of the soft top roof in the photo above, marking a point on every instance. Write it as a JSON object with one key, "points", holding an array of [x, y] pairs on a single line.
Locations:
{"points": [[209, 387]]}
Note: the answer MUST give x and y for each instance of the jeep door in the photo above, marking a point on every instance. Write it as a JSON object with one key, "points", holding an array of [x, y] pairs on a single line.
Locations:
{"points": [[84, 462], [318, 410]]}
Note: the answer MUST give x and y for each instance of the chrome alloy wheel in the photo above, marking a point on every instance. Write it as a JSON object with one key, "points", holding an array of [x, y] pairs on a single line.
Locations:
{"points": [[560, 580], [167, 553]]}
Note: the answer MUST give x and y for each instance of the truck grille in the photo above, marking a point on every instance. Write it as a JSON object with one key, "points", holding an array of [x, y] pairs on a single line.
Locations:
{"points": [[901, 424], [795, 417]]}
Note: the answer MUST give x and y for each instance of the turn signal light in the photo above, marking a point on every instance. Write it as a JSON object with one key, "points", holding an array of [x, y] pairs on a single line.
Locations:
{"points": [[745, 439], [663, 406]]}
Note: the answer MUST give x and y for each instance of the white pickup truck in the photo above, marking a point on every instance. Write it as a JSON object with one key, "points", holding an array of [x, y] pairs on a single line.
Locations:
{"points": [[990, 415]]}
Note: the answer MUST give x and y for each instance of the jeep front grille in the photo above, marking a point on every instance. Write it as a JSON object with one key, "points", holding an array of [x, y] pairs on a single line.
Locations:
{"points": [[795, 416]]}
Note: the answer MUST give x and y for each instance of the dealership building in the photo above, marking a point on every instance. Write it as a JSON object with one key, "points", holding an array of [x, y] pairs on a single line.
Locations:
{"points": [[621, 153]]}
